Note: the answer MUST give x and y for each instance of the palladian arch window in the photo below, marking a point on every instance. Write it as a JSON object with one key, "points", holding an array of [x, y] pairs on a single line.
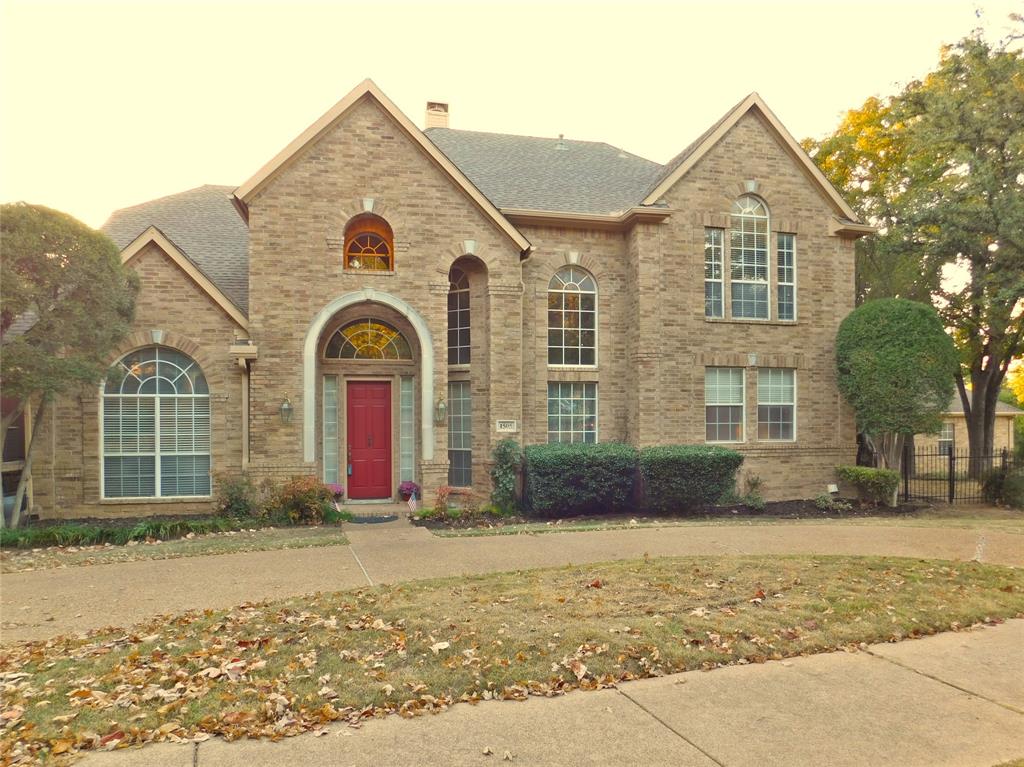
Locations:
{"points": [[368, 340], [369, 245], [572, 317], [458, 317], [156, 426], [748, 258]]}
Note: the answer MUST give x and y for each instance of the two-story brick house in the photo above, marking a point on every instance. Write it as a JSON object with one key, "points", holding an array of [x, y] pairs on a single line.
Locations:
{"points": [[381, 303]]}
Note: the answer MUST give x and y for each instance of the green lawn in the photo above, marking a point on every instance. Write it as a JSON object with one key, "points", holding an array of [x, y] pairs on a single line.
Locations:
{"points": [[1004, 520], [284, 667], [21, 560]]}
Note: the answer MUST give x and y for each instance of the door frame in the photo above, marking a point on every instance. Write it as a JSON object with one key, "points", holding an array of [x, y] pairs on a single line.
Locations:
{"points": [[344, 379]]}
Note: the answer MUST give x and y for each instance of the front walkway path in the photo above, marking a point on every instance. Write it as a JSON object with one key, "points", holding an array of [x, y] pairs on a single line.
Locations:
{"points": [[953, 699], [43, 603]]}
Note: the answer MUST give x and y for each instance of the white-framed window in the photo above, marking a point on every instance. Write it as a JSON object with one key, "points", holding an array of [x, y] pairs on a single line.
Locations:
{"points": [[724, 411], [331, 420], [460, 434], [572, 412], [714, 288], [947, 438], [572, 317], [776, 404], [407, 430], [785, 254], [155, 439], [748, 259], [458, 317]]}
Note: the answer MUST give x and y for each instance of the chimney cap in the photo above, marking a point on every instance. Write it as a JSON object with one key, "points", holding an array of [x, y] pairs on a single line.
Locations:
{"points": [[437, 114]]}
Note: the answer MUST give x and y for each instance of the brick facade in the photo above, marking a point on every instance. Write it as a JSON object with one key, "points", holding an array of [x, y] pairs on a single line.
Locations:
{"points": [[654, 341]]}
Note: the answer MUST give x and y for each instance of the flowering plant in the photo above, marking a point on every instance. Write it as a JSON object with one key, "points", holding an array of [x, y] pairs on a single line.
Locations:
{"points": [[336, 490], [408, 488]]}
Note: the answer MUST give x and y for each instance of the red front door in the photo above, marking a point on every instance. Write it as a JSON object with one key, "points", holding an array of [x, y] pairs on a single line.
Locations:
{"points": [[369, 439]]}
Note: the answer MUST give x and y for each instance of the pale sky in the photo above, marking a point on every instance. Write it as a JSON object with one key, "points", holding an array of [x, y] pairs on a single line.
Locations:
{"points": [[108, 105]]}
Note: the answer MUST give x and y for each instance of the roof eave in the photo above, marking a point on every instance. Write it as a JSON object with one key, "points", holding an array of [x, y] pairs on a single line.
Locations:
{"points": [[850, 229], [576, 220]]}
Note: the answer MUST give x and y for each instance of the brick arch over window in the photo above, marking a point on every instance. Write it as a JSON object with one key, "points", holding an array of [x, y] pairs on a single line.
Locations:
{"points": [[369, 244]]}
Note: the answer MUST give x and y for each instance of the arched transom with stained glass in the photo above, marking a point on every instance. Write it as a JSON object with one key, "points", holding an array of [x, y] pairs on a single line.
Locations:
{"points": [[155, 439], [572, 317], [368, 339], [369, 245]]}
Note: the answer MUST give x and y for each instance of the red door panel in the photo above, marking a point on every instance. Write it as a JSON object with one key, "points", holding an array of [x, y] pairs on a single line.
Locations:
{"points": [[369, 439]]}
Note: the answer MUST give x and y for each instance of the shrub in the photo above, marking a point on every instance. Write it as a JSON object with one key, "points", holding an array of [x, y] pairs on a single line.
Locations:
{"points": [[826, 502], [1004, 486], [441, 500], [92, 534], [237, 496], [302, 501], [878, 485], [580, 478], [508, 462], [677, 477]]}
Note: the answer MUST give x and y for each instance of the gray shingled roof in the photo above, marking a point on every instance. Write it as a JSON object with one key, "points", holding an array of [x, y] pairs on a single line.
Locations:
{"points": [[204, 225], [548, 173], [1002, 408]]}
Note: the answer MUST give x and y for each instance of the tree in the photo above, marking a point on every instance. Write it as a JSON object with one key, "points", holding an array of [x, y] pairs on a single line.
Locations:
{"points": [[895, 364], [66, 302], [940, 169]]}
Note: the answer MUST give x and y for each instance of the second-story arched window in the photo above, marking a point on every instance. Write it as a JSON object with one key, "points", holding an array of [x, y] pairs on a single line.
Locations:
{"points": [[572, 317], [458, 317], [748, 258], [369, 244]]}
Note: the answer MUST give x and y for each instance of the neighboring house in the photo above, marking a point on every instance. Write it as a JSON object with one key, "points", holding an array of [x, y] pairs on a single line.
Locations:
{"points": [[953, 435], [381, 303]]}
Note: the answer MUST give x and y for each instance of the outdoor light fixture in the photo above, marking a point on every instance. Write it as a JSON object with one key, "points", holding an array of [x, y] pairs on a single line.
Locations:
{"points": [[286, 411], [440, 412]]}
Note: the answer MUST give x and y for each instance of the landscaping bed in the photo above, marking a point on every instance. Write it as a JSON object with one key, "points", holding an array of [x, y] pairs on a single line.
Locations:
{"points": [[801, 509], [274, 669]]}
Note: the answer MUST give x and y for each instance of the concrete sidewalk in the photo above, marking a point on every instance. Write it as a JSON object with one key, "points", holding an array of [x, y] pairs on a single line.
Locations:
{"points": [[953, 699], [40, 604]]}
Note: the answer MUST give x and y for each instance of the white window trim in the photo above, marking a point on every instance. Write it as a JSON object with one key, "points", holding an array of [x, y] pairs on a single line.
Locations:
{"points": [[743, 405], [597, 323], [597, 413], [793, 283], [156, 455], [721, 265], [795, 408]]}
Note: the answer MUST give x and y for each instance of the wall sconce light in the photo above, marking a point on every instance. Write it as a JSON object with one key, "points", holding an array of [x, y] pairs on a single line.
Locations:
{"points": [[286, 410], [440, 412]]}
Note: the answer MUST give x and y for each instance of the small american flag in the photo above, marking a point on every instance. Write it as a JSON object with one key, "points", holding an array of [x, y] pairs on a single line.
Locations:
{"points": [[413, 504]]}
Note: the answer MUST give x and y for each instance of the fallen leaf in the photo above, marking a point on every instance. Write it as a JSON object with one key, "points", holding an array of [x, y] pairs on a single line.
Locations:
{"points": [[440, 646]]}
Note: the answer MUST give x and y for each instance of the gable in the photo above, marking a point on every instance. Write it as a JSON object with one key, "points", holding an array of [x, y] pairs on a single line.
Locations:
{"points": [[753, 105], [330, 121], [153, 237]]}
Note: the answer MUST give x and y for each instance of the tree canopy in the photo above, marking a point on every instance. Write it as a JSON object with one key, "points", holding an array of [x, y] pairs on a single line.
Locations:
{"points": [[939, 168], [66, 301], [895, 364]]}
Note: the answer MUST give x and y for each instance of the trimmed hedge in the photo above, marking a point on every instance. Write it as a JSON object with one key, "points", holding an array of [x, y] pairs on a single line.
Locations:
{"points": [[566, 479], [877, 485], [676, 477], [91, 534]]}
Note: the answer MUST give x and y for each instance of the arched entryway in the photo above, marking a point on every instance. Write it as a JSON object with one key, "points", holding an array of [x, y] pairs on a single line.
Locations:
{"points": [[368, 384]]}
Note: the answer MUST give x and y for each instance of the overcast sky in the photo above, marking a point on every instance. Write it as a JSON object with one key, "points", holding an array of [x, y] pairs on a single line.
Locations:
{"points": [[108, 105]]}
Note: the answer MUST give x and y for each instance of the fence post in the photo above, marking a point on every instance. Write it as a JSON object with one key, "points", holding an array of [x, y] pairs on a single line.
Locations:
{"points": [[1004, 459], [952, 474], [906, 472]]}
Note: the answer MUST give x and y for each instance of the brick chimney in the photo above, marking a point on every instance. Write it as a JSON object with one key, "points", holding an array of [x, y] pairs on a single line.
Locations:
{"points": [[437, 115]]}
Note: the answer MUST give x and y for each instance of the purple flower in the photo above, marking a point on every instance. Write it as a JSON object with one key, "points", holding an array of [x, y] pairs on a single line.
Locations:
{"points": [[336, 490]]}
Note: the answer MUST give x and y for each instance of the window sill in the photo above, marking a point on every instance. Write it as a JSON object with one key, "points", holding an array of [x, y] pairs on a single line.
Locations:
{"points": [[584, 368], [372, 272], [145, 499], [749, 321], [459, 368]]}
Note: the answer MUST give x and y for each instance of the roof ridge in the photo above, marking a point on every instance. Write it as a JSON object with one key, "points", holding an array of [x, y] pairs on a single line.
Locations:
{"points": [[545, 138]]}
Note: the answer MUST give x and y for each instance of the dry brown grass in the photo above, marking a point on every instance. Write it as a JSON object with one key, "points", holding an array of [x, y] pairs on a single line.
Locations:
{"points": [[284, 667]]}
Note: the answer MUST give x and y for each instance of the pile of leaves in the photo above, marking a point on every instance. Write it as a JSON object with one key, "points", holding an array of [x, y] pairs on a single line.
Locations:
{"points": [[280, 668]]}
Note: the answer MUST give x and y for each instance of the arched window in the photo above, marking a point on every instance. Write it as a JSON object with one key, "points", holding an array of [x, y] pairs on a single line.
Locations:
{"points": [[369, 244], [748, 258], [572, 317], [368, 340], [156, 426], [458, 317]]}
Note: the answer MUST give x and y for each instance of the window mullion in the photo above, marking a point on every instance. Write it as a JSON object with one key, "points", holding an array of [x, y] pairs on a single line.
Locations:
{"points": [[156, 447]]}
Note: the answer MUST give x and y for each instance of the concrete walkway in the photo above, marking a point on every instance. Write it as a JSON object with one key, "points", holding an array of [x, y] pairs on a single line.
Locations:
{"points": [[953, 699], [43, 603]]}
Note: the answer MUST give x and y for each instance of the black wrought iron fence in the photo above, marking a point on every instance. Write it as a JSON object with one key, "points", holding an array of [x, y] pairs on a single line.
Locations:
{"points": [[949, 475]]}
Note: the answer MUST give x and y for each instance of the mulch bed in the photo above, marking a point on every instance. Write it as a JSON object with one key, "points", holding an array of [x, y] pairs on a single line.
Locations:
{"points": [[804, 509]]}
